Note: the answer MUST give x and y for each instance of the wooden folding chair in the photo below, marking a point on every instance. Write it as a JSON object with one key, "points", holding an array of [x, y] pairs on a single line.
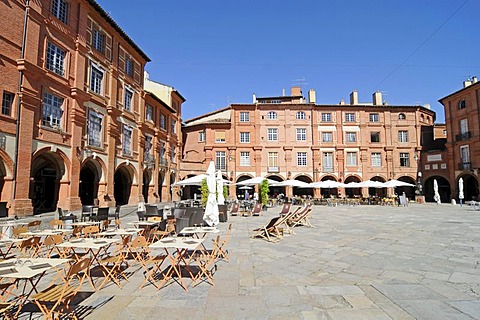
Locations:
{"points": [[90, 231], [50, 246], [112, 267], [151, 265], [56, 299], [34, 224], [6, 310], [18, 231], [56, 224], [30, 247], [205, 261], [285, 208], [220, 245], [269, 231], [257, 209], [235, 208]]}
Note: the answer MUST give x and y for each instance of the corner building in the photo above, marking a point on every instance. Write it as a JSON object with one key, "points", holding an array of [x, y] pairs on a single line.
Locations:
{"points": [[73, 120], [288, 137]]}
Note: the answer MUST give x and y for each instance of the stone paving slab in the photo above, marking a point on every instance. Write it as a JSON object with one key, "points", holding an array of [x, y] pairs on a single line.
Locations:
{"points": [[364, 262]]}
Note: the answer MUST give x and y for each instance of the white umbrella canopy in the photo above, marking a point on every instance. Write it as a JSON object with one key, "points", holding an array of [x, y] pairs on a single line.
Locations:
{"points": [[211, 215], [192, 181], [327, 184], [293, 183], [460, 190], [255, 181], [353, 185], [373, 184], [397, 183], [436, 195], [220, 197], [245, 188]]}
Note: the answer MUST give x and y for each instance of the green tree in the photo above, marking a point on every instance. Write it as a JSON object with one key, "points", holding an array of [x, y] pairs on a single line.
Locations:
{"points": [[204, 190], [264, 192]]}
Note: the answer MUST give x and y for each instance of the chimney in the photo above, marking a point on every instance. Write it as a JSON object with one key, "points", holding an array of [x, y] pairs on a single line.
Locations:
{"points": [[467, 82], [254, 98], [342, 102], [296, 91], [312, 96], [377, 98], [474, 79], [283, 92], [354, 97]]}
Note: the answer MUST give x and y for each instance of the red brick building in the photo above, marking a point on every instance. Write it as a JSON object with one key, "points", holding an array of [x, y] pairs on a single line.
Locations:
{"points": [[462, 119], [73, 122], [286, 137]]}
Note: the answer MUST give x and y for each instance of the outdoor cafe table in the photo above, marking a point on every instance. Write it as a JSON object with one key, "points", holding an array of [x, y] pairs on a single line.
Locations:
{"points": [[176, 250], [144, 224], [123, 233], [46, 232], [29, 270], [88, 246], [7, 228]]}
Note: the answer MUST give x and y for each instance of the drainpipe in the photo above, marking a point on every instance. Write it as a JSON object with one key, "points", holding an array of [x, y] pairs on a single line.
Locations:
{"points": [[19, 104]]}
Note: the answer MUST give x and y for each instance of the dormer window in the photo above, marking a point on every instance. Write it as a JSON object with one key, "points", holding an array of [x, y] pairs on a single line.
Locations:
{"points": [[462, 104]]}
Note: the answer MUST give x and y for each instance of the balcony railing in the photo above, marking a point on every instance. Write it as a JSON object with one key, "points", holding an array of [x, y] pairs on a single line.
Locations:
{"points": [[465, 166], [463, 136]]}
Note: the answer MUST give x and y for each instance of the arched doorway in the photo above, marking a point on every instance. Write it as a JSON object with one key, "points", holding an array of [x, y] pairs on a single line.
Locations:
{"points": [[353, 192], [443, 189], [377, 192], [470, 188], [307, 192], [274, 191], [241, 191], [44, 188], [88, 184], [147, 177], [327, 192], [122, 184], [409, 191], [161, 181]]}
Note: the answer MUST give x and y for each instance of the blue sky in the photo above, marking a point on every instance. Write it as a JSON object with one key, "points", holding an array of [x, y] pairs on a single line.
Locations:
{"points": [[221, 51]]}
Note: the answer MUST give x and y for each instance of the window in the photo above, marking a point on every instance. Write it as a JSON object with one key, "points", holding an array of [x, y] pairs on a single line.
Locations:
{"points": [[129, 67], [462, 104], [148, 113], [327, 136], [96, 79], [173, 153], [174, 126], [163, 122], [326, 117], [272, 115], [403, 136], [351, 159], [374, 117], [300, 115], [95, 120], [55, 59], [273, 159], [328, 161], [402, 116], [127, 103], [374, 136], [7, 103], [60, 10], [244, 116], [301, 158], [404, 159], [220, 136], [98, 40], [245, 159], [349, 117], [148, 146], [301, 134], [162, 153], [464, 126], [221, 160], [376, 159], [52, 111], [201, 136], [464, 157], [272, 134], [127, 140], [244, 137], [351, 136]]}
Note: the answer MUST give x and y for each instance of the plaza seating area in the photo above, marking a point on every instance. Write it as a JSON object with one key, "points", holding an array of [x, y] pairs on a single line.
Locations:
{"points": [[44, 266]]}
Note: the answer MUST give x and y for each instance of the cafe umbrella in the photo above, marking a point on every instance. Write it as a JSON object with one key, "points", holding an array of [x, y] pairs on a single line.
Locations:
{"points": [[211, 216]]}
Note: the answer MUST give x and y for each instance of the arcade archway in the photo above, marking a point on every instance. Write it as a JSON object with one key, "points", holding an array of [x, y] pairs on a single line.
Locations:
{"points": [[122, 185], [377, 192], [89, 179], [327, 192], [443, 189], [307, 192], [353, 192], [470, 187]]}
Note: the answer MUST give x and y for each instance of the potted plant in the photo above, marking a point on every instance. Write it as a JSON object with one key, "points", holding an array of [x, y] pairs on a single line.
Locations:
{"points": [[204, 190], [264, 193]]}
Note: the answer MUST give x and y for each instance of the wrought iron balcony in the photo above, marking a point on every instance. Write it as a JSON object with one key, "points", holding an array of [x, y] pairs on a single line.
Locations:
{"points": [[463, 136], [465, 166]]}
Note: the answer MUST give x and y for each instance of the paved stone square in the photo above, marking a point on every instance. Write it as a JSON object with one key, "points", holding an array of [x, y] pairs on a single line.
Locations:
{"points": [[364, 262]]}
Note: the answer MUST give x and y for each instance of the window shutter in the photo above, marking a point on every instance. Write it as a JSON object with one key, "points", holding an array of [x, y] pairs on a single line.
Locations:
{"points": [[136, 71], [220, 135], [121, 59], [89, 31], [108, 47]]}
